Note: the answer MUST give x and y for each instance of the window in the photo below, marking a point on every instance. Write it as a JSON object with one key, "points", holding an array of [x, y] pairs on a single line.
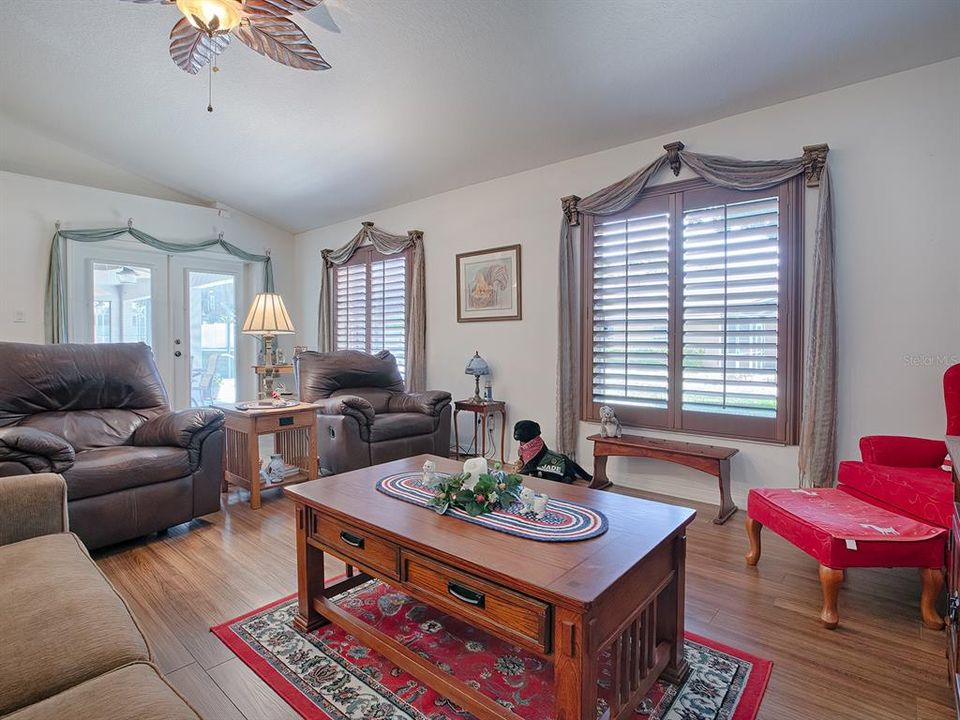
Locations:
{"points": [[692, 311], [370, 299]]}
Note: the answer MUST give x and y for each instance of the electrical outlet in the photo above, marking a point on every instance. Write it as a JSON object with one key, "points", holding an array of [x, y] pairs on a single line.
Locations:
{"points": [[19, 316], [491, 422]]}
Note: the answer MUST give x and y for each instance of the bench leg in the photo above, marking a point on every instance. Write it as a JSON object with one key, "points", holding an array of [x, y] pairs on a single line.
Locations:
{"points": [[753, 533], [830, 581], [727, 508], [932, 584]]}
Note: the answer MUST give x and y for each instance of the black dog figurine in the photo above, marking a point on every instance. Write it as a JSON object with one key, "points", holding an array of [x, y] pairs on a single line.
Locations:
{"points": [[537, 460]]}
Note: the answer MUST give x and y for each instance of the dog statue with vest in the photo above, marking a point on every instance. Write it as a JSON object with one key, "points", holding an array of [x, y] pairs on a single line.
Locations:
{"points": [[537, 460]]}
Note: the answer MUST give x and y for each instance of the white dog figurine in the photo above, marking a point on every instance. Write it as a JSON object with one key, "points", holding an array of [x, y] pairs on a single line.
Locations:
{"points": [[527, 499], [609, 424], [473, 469], [540, 506]]}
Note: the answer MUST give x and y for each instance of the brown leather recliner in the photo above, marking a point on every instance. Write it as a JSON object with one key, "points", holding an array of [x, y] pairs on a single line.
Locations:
{"points": [[365, 417], [99, 416]]}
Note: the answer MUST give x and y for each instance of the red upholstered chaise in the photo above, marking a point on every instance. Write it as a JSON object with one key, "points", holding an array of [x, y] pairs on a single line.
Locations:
{"points": [[892, 509]]}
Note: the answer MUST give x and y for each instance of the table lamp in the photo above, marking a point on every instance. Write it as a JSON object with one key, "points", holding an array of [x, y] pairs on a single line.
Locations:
{"points": [[477, 366], [268, 317]]}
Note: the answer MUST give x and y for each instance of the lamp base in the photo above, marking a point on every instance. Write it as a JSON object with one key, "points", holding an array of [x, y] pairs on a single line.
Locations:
{"points": [[476, 391]]}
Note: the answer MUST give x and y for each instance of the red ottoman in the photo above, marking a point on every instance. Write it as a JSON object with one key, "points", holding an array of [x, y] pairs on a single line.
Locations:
{"points": [[841, 530]]}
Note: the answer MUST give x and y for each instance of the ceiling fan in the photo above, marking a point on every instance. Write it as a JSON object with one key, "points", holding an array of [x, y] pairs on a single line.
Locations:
{"points": [[206, 27]]}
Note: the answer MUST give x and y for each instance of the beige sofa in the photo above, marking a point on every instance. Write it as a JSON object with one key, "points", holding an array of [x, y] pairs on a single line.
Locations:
{"points": [[69, 645]]}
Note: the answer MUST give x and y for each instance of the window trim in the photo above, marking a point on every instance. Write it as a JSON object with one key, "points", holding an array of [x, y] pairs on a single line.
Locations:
{"points": [[366, 255], [784, 429]]}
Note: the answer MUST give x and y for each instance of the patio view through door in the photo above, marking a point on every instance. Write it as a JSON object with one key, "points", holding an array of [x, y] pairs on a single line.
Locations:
{"points": [[184, 307]]}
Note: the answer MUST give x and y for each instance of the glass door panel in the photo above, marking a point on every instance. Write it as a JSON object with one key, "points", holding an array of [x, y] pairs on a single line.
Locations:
{"points": [[212, 327], [121, 304]]}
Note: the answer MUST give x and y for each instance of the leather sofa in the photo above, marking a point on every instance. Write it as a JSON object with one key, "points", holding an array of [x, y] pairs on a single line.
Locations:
{"points": [[99, 416], [71, 647], [365, 417]]}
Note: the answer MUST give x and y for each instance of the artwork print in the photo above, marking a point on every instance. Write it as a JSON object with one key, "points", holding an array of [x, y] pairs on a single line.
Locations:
{"points": [[488, 285]]}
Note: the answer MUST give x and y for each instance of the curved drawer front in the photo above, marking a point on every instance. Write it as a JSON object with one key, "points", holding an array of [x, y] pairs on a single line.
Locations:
{"points": [[525, 620]]}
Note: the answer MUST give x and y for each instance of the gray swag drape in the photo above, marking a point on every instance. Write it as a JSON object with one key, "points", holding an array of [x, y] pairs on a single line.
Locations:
{"points": [[55, 306], [388, 244], [819, 407]]}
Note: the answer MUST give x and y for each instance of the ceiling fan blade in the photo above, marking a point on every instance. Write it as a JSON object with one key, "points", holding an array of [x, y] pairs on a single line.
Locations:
{"points": [[192, 49], [278, 8], [282, 40]]}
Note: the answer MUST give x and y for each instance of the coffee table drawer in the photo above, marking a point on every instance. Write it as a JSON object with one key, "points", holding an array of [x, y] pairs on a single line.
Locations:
{"points": [[366, 549], [525, 620]]}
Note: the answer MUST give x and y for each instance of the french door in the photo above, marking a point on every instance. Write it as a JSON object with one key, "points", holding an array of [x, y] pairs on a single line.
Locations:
{"points": [[185, 307]]}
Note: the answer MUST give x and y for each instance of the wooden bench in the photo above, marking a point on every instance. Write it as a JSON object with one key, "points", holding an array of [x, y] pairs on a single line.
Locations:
{"points": [[711, 459]]}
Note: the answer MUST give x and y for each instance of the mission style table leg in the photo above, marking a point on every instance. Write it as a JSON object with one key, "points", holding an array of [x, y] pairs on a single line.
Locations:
{"points": [[310, 574]]}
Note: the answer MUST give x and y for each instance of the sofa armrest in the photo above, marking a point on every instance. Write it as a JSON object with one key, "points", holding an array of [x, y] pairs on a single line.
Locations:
{"points": [[185, 429], [178, 429], [39, 450], [32, 505], [352, 405], [898, 451], [431, 402]]}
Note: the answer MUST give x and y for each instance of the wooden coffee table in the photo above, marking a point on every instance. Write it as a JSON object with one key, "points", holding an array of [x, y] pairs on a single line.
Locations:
{"points": [[622, 592]]}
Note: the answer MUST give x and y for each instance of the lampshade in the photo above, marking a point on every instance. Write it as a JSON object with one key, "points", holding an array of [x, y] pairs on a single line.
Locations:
{"points": [[477, 366], [267, 316], [226, 13]]}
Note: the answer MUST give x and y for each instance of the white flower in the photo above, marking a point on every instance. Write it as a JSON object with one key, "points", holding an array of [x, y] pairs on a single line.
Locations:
{"points": [[494, 497]]}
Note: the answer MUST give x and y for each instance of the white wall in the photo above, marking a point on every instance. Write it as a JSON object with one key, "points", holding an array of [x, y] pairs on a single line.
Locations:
{"points": [[30, 206], [895, 150]]}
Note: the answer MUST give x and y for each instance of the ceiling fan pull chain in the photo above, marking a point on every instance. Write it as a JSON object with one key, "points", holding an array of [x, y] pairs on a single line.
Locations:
{"points": [[210, 85]]}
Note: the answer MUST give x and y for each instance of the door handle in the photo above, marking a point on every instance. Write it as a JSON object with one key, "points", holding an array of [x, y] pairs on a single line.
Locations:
{"points": [[351, 540], [177, 353], [465, 594]]}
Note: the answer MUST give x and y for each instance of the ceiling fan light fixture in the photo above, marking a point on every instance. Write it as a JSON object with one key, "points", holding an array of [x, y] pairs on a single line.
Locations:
{"points": [[218, 16]]}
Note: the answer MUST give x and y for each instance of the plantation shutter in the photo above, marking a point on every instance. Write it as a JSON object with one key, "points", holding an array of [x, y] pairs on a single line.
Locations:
{"points": [[388, 313], [730, 288], [631, 307], [370, 309], [351, 327]]}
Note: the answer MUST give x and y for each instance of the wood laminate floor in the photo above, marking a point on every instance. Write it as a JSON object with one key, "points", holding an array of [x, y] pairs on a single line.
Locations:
{"points": [[881, 664]]}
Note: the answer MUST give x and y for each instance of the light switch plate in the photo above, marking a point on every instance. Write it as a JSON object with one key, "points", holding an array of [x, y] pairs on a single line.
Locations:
{"points": [[19, 316]]}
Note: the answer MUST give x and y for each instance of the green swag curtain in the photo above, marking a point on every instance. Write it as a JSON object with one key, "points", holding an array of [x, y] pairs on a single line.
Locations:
{"points": [[55, 310]]}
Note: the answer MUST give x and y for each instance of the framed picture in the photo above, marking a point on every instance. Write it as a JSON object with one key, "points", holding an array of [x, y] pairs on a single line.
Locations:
{"points": [[488, 285]]}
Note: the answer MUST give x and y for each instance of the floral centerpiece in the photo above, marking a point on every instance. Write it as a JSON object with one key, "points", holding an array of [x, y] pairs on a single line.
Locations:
{"points": [[476, 490]]}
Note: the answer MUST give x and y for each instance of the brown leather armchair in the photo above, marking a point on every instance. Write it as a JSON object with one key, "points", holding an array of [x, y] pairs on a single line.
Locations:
{"points": [[365, 417], [99, 416]]}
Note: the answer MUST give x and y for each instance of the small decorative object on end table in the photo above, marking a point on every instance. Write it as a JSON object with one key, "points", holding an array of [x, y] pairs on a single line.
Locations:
{"points": [[295, 441], [268, 317], [481, 410]]}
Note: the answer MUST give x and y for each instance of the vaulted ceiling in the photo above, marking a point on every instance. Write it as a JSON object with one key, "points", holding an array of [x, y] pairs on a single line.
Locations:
{"points": [[429, 95]]}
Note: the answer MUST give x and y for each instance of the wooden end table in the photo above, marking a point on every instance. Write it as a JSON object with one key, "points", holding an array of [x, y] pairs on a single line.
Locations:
{"points": [[295, 438], [481, 409], [569, 603]]}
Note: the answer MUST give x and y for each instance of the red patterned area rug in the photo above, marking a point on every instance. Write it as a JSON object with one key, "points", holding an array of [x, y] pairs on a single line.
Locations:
{"points": [[328, 675]]}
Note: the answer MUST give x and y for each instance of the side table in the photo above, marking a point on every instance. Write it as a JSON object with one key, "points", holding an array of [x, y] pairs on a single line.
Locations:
{"points": [[295, 438], [481, 410]]}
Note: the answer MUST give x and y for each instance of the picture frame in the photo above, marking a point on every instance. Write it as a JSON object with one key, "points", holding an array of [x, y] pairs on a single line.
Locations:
{"points": [[489, 285]]}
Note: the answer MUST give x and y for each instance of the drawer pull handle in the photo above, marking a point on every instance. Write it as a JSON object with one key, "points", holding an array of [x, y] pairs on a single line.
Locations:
{"points": [[353, 540], [465, 594]]}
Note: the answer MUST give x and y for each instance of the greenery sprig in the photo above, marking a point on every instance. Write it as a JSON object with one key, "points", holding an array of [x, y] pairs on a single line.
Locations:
{"points": [[475, 494]]}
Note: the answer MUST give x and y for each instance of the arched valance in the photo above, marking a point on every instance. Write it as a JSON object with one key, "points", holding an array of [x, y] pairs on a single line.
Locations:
{"points": [[818, 421], [55, 310], [388, 244]]}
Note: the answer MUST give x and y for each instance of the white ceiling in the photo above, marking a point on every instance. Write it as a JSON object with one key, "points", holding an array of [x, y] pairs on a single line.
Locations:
{"points": [[428, 95]]}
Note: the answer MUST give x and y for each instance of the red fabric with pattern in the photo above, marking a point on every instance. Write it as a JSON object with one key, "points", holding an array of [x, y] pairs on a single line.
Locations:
{"points": [[951, 398], [922, 493], [820, 522], [902, 452]]}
